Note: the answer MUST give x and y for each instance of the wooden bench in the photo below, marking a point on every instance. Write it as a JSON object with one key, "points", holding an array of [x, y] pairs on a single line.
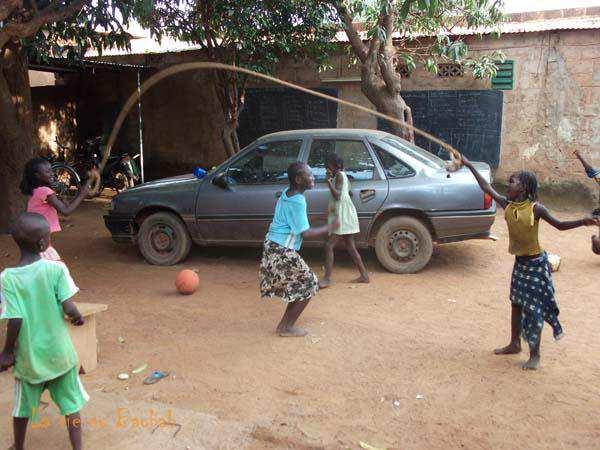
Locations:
{"points": [[84, 337]]}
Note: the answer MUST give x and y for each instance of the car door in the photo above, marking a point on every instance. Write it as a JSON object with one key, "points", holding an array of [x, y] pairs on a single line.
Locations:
{"points": [[369, 188], [240, 211]]}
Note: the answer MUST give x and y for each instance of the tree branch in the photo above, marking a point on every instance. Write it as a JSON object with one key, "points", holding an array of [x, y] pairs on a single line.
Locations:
{"points": [[353, 35], [386, 60], [49, 14]]}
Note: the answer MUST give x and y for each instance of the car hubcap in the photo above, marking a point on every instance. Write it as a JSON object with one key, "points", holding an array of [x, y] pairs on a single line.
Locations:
{"points": [[162, 238], [403, 245]]}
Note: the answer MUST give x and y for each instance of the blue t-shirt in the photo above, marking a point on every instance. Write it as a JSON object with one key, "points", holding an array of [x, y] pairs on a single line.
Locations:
{"points": [[289, 222]]}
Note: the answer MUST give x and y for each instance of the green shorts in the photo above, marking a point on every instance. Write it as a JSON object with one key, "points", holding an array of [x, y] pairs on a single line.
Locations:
{"points": [[66, 391]]}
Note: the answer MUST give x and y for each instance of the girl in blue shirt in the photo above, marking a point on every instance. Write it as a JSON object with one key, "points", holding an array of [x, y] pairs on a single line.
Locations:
{"points": [[283, 272]]}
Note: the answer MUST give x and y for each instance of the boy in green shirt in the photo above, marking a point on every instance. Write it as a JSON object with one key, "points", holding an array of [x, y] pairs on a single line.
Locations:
{"points": [[34, 295]]}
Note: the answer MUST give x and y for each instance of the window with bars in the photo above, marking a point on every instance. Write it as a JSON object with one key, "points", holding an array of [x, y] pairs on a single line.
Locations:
{"points": [[447, 70], [504, 79]]}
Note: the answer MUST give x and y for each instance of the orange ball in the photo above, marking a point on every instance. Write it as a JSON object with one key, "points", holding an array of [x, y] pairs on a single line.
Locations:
{"points": [[187, 282]]}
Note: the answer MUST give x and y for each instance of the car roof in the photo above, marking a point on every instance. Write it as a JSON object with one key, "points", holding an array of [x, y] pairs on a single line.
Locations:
{"points": [[345, 132]]}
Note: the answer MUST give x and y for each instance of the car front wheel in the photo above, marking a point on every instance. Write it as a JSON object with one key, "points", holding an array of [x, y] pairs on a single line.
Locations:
{"points": [[403, 245], [163, 239]]}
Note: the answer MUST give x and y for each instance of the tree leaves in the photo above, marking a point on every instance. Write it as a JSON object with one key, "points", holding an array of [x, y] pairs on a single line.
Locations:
{"points": [[405, 9]]}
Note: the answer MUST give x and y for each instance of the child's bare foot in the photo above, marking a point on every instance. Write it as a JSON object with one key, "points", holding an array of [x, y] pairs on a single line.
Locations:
{"points": [[532, 364], [361, 279], [510, 349], [292, 332], [324, 283]]}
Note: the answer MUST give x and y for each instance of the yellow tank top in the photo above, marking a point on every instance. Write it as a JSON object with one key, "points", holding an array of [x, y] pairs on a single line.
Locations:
{"points": [[522, 229]]}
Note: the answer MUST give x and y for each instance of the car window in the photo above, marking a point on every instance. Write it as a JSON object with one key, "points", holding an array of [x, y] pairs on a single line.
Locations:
{"points": [[393, 167], [358, 163], [265, 163], [418, 153]]}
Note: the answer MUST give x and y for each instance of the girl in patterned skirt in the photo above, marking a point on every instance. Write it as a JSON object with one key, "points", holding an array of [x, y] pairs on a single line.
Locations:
{"points": [[283, 272], [531, 291], [342, 209]]}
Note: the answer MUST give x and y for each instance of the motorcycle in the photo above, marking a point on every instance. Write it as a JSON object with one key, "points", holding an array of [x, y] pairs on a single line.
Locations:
{"points": [[67, 181], [119, 173]]}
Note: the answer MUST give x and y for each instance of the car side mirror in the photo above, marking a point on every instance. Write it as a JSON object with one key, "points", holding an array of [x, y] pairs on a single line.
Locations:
{"points": [[220, 180]]}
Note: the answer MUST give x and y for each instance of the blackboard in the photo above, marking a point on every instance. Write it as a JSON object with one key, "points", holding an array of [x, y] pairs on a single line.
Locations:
{"points": [[277, 109], [471, 121]]}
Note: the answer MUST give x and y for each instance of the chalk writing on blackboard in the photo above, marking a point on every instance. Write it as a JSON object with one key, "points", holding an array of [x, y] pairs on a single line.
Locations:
{"points": [[268, 110], [471, 121]]}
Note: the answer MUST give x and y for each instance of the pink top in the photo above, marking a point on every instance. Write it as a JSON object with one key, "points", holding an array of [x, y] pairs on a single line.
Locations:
{"points": [[37, 204]]}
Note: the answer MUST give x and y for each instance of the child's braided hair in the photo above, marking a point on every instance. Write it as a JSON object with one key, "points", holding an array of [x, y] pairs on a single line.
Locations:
{"points": [[529, 183], [30, 181]]}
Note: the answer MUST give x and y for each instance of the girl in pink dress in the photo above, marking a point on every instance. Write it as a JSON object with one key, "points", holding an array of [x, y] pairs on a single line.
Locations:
{"points": [[36, 183]]}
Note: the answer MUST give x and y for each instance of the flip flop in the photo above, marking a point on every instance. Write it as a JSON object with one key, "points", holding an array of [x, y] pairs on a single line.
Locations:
{"points": [[155, 377]]}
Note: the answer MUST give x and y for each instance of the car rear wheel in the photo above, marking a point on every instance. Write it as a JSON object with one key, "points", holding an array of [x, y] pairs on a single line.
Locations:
{"points": [[163, 239], [403, 245]]}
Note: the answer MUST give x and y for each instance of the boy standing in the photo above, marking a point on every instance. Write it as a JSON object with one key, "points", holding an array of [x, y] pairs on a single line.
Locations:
{"points": [[34, 295]]}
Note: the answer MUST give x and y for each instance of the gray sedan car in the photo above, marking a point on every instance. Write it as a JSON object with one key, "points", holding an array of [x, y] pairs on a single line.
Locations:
{"points": [[405, 198]]}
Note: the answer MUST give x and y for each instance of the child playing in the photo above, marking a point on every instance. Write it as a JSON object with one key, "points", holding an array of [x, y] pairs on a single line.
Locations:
{"points": [[36, 183], [34, 296], [342, 209], [283, 272], [591, 172], [595, 175], [531, 291]]}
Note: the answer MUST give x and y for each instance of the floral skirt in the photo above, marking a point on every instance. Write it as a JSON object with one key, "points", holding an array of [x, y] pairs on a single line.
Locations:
{"points": [[531, 288], [284, 274]]}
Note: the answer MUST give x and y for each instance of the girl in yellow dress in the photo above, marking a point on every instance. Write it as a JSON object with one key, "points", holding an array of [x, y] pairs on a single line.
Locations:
{"points": [[342, 208]]}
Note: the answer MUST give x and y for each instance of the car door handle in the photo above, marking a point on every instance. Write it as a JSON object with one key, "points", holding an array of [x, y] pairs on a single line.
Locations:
{"points": [[366, 195], [278, 194]]}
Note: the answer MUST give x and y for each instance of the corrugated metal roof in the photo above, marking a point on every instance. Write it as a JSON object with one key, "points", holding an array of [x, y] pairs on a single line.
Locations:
{"points": [[532, 26], [54, 64]]}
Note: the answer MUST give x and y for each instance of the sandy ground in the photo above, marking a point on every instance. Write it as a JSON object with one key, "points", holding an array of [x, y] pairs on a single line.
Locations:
{"points": [[405, 362]]}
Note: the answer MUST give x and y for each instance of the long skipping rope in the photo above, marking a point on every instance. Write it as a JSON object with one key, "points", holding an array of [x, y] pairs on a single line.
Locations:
{"points": [[172, 70]]}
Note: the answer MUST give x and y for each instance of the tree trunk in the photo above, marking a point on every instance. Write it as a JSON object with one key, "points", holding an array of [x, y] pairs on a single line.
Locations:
{"points": [[16, 130], [230, 138], [384, 93], [396, 107]]}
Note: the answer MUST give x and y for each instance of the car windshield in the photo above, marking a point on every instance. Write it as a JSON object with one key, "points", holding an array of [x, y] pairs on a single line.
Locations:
{"points": [[417, 153]]}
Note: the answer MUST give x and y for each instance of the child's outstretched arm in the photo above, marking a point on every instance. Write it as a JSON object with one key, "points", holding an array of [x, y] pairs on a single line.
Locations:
{"points": [[7, 357], [336, 188], [65, 209], [588, 168], [73, 313], [316, 232], [484, 185], [541, 212]]}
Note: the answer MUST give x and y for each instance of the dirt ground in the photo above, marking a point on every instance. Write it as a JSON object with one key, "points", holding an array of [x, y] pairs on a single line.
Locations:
{"points": [[405, 362]]}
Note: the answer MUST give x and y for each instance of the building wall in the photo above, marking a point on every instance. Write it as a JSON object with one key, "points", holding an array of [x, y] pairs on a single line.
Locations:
{"points": [[54, 111], [553, 109]]}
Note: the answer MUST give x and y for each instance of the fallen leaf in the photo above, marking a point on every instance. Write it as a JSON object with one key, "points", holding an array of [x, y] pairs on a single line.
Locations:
{"points": [[369, 447], [140, 369]]}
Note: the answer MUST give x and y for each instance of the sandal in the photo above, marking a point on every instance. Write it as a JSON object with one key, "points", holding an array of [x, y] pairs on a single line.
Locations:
{"points": [[155, 377]]}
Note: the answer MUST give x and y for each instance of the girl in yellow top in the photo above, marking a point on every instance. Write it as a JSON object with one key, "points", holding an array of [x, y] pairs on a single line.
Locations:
{"points": [[531, 290]]}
